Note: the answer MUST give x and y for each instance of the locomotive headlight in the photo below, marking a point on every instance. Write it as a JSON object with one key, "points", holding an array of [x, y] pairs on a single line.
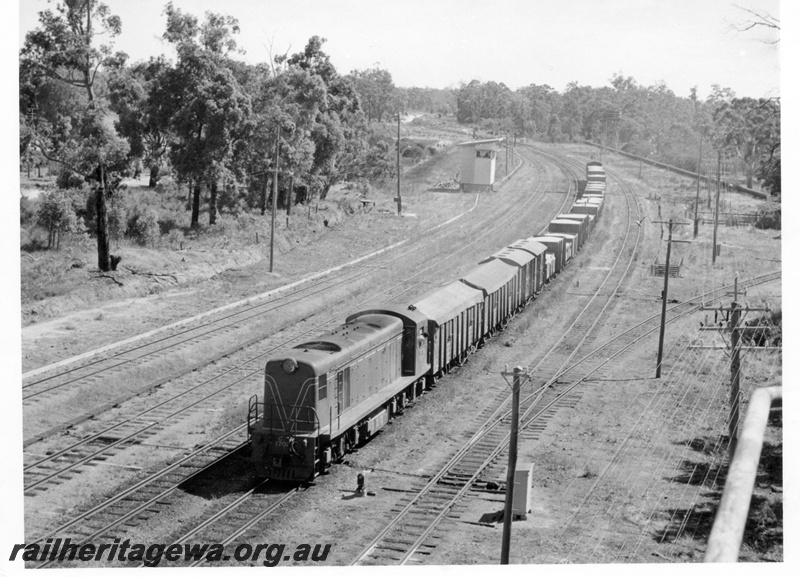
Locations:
{"points": [[290, 365]]}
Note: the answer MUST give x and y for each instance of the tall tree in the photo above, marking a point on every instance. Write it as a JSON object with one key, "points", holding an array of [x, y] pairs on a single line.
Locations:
{"points": [[65, 48], [376, 90], [751, 128], [203, 103], [139, 119]]}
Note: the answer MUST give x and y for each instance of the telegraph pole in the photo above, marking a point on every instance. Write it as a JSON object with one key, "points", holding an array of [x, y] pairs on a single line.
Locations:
{"points": [[716, 211], [506, 154], [274, 200], [512, 464], [733, 425], [697, 196], [734, 313], [664, 293], [398, 199]]}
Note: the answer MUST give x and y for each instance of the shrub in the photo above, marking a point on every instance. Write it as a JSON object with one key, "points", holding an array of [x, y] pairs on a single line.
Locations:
{"points": [[414, 151], [117, 219], [56, 215], [27, 211], [175, 237], [769, 216], [68, 179], [167, 186], [143, 226]]}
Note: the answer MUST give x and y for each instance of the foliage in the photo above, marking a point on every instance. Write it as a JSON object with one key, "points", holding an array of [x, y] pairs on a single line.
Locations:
{"points": [[750, 128], [57, 216], [139, 117], [64, 49], [27, 211], [202, 102], [769, 172], [769, 216], [376, 91], [117, 219], [143, 225]]}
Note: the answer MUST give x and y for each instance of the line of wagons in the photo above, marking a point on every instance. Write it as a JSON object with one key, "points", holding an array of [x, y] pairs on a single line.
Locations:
{"points": [[324, 397]]}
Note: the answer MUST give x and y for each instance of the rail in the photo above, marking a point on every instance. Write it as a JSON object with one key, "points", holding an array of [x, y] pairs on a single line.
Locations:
{"points": [[728, 530], [684, 172]]}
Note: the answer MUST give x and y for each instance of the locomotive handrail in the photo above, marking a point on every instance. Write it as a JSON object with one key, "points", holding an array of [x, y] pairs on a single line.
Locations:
{"points": [[289, 418], [252, 407]]}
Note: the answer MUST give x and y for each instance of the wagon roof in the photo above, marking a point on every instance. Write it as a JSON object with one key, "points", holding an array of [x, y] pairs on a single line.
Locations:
{"points": [[490, 276], [573, 216], [566, 235], [564, 221], [548, 238], [529, 244], [511, 255], [448, 301]]}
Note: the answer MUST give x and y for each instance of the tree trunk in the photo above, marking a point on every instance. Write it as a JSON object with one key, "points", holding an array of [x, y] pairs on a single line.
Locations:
{"points": [[196, 205], [324, 192], [212, 204], [264, 197], [289, 196], [103, 251], [154, 176]]}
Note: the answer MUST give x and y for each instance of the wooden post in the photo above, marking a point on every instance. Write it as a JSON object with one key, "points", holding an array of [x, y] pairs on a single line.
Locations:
{"points": [[716, 212], [399, 199], [697, 196], [512, 465], [290, 194], [274, 202], [506, 155], [733, 424], [664, 306]]}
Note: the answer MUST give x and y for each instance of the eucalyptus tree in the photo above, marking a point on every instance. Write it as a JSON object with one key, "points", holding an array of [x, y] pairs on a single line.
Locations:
{"points": [[64, 48], [376, 91], [750, 128], [202, 102], [338, 120], [140, 120]]}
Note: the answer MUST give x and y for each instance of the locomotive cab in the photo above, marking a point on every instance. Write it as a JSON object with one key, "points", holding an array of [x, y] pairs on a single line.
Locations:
{"points": [[284, 429]]}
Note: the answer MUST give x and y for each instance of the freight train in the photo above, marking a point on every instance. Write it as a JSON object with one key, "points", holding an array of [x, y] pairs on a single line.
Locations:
{"points": [[326, 396]]}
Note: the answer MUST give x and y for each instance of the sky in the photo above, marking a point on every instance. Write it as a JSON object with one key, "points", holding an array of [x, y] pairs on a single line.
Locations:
{"points": [[440, 43]]}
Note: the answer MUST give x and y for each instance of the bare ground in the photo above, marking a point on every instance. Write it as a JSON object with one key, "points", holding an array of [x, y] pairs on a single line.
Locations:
{"points": [[632, 473]]}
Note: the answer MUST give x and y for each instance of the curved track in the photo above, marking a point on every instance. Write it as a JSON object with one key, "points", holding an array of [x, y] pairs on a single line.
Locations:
{"points": [[151, 503], [410, 535], [227, 379]]}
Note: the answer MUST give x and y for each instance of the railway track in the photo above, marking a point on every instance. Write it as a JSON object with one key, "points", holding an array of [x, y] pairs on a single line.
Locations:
{"points": [[43, 471], [411, 534], [79, 458], [129, 364], [146, 497]]}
